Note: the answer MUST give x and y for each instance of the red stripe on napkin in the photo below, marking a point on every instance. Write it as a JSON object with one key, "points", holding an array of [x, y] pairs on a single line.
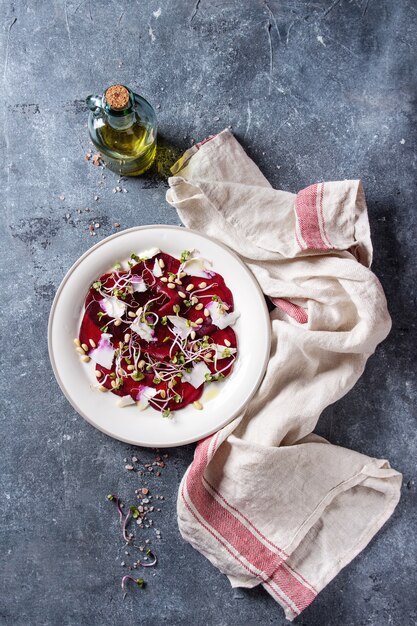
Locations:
{"points": [[220, 521], [309, 209], [293, 310]]}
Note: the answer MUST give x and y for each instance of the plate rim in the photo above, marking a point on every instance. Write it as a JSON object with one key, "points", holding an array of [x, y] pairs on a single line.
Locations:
{"points": [[81, 260]]}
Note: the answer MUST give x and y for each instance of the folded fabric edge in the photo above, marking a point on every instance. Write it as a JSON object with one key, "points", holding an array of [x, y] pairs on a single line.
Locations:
{"points": [[257, 559], [333, 216], [374, 469]]}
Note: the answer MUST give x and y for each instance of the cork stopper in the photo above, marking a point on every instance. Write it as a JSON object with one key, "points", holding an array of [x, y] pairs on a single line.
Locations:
{"points": [[117, 97]]}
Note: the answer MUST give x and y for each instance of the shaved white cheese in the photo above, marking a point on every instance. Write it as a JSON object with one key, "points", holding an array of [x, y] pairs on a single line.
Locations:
{"points": [[138, 283], [148, 254], [114, 307], [143, 330], [197, 376], [145, 394], [197, 267], [223, 352], [181, 325], [104, 353], [219, 317], [125, 401], [157, 269]]}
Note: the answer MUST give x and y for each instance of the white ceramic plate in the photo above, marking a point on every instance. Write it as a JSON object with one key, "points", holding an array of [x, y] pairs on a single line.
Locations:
{"points": [[222, 401]]}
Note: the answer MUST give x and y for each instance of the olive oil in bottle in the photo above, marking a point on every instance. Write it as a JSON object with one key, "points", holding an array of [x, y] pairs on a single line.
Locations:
{"points": [[122, 126]]}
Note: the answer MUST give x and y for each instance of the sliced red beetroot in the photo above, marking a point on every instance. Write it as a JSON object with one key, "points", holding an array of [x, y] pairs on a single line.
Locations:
{"points": [[164, 300], [171, 263], [215, 286], [159, 348], [219, 336], [91, 324], [186, 391], [169, 297]]}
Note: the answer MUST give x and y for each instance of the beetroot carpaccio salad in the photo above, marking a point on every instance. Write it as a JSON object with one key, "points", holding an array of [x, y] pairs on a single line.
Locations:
{"points": [[158, 330]]}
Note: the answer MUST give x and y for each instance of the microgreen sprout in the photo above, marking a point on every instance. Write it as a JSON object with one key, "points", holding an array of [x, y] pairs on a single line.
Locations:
{"points": [[97, 285], [185, 255], [100, 314], [113, 498], [166, 413], [137, 376], [150, 555], [135, 512], [138, 581]]}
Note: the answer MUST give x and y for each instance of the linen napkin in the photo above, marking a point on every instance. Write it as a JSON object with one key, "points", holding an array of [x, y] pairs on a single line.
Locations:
{"points": [[266, 500]]}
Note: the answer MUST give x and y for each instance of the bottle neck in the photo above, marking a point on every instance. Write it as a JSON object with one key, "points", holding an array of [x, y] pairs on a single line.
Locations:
{"points": [[116, 107], [119, 122], [118, 103]]}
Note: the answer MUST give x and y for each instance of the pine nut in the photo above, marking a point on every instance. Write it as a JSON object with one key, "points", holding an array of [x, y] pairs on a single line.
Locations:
{"points": [[199, 321], [182, 294], [92, 343], [164, 279], [193, 324], [161, 263], [177, 281], [130, 368], [80, 350], [103, 389], [199, 306], [197, 405], [131, 314], [141, 364], [182, 274], [206, 312], [85, 358], [192, 334], [139, 311], [208, 356], [113, 384], [98, 373], [227, 343], [190, 287], [194, 300], [126, 338], [77, 342], [117, 322], [84, 347], [202, 285], [171, 286], [163, 393]]}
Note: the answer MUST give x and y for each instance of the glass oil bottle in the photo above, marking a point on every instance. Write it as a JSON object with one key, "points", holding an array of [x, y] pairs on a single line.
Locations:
{"points": [[122, 126]]}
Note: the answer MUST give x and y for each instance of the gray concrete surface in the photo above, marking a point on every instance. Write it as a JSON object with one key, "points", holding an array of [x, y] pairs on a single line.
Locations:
{"points": [[314, 90]]}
